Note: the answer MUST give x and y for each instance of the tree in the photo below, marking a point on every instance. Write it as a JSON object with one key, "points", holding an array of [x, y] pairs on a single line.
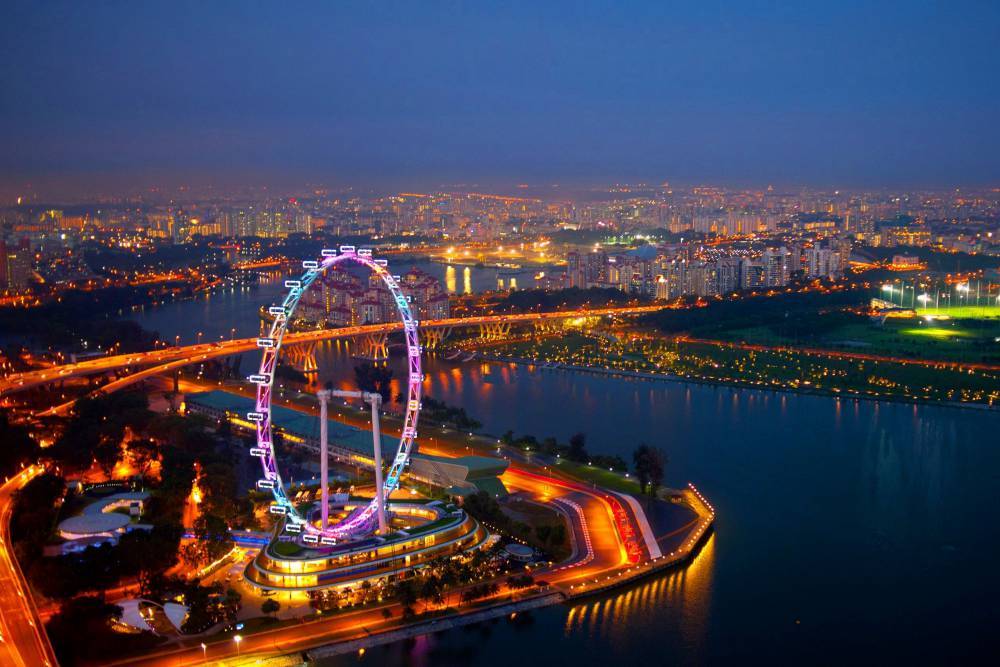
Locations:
{"points": [[98, 427], [518, 581], [649, 464], [218, 484], [430, 590], [640, 460], [270, 606], [577, 448], [148, 554], [81, 633], [406, 590], [143, 452], [107, 453], [372, 378], [212, 531], [233, 600], [657, 469], [18, 447], [35, 513]]}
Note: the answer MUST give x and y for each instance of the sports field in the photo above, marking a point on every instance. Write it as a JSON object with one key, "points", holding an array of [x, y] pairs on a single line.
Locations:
{"points": [[963, 312]]}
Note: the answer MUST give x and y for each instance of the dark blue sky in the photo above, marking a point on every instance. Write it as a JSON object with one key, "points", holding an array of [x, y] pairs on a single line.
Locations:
{"points": [[381, 93]]}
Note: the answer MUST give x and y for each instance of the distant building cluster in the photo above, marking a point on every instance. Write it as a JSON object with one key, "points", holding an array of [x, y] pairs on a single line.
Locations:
{"points": [[15, 265], [243, 228], [342, 298], [670, 271]]}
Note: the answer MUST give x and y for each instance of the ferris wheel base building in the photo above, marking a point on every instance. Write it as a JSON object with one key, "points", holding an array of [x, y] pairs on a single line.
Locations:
{"points": [[426, 530]]}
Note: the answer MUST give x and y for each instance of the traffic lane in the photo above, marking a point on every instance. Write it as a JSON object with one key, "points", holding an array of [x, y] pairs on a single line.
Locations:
{"points": [[24, 640], [601, 529]]}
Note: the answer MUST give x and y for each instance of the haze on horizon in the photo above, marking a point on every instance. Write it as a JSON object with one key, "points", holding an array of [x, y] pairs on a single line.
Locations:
{"points": [[129, 95]]}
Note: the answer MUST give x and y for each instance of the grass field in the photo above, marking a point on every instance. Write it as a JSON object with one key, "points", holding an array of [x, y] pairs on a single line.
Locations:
{"points": [[963, 312], [955, 339]]}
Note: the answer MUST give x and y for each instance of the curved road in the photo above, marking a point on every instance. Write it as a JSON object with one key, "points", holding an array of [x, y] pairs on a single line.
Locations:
{"points": [[24, 640]]}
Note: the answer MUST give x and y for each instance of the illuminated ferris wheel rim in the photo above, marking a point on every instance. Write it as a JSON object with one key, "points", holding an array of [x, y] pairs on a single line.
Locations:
{"points": [[362, 519]]}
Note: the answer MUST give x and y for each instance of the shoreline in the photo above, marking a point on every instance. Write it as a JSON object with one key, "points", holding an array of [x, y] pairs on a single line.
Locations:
{"points": [[696, 538], [669, 377]]}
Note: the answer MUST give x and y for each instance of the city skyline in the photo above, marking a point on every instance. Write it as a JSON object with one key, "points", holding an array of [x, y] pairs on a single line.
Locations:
{"points": [[457, 334], [399, 96]]}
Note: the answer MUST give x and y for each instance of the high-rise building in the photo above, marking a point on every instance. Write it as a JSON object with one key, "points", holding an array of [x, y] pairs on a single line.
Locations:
{"points": [[576, 271], [751, 274], [728, 274], [15, 266], [776, 266]]}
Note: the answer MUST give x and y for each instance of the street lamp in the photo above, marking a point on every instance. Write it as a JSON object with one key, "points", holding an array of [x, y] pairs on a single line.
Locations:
{"points": [[237, 639], [204, 652]]}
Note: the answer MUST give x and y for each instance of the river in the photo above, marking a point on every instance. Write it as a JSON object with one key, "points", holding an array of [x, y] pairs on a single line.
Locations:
{"points": [[847, 531]]}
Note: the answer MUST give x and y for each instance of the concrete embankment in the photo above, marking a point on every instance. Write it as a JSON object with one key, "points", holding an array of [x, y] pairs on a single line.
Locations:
{"points": [[680, 556], [436, 625]]}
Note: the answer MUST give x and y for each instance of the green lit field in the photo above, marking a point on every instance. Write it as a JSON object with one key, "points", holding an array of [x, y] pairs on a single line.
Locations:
{"points": [[963, 312], [936, 332], [955, 338]]}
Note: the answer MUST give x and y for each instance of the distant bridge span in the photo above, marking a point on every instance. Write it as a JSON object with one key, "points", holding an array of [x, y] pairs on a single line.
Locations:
{"points": [[168, 358]]}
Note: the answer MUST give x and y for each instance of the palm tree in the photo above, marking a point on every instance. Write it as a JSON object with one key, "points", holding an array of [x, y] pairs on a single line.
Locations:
{"points": [[430, 591]]}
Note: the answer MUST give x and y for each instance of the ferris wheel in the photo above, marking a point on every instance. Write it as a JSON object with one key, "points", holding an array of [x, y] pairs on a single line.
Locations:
{"points": [[365, 518]]}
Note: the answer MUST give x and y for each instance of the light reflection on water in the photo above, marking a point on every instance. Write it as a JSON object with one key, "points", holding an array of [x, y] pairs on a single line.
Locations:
{"points": [[687, 591]]}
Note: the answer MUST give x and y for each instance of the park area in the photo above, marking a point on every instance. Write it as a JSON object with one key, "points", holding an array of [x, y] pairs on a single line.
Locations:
{"points": [[933, 337], [857, 358]]}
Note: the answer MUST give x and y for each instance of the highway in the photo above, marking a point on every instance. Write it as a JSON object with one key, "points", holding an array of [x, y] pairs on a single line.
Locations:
{"points": [[203, 351], [24, 640]]}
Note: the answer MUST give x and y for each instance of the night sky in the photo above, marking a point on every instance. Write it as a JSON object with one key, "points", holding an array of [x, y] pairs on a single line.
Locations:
{"points": [[392, 94]]}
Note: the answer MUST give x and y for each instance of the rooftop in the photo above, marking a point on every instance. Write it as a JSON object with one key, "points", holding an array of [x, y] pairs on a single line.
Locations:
{"points": [[93, 524], [294, 422]]}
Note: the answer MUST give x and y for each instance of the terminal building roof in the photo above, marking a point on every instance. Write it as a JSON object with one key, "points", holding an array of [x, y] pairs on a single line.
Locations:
{"points": [[295, 422]]}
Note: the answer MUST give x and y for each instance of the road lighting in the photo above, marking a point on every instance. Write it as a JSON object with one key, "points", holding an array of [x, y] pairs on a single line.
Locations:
{"points": [[204, 652], [237, 639]]}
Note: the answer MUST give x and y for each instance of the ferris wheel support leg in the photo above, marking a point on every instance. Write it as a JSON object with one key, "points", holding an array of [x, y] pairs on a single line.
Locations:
{"points": [[324, 465], [376, 401]]}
